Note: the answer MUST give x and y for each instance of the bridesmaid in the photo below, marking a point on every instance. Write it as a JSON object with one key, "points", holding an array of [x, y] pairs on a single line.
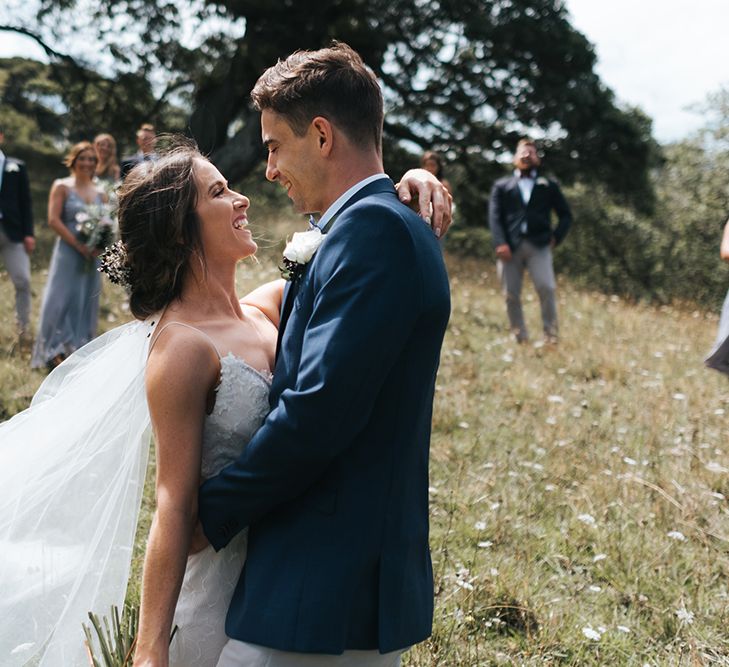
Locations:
{"points": [[719, 356], [107, 166], [70, 306]]}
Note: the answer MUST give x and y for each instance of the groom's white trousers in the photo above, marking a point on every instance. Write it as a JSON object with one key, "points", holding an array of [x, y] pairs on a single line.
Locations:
{"points": [[241, 654]]}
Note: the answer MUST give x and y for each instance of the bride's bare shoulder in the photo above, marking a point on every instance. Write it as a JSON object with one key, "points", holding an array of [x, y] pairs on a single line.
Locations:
{"points": [[181, 359]]}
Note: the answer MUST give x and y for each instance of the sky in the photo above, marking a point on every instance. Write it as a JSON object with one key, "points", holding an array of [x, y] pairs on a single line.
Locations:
{"points": [[661, 55]]}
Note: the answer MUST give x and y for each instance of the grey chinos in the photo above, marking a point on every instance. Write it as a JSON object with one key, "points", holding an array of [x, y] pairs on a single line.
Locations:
{"points": [[538, 261]]}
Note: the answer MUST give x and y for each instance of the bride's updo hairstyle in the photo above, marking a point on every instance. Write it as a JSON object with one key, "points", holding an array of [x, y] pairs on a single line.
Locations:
{"points": [[160, 231]]}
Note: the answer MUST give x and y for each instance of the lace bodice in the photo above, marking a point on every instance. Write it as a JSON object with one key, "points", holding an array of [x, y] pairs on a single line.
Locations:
{"points": [[241, 404]]}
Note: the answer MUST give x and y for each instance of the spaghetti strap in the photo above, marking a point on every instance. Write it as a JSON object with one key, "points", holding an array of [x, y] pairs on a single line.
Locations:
{"points": [[189, 326]]}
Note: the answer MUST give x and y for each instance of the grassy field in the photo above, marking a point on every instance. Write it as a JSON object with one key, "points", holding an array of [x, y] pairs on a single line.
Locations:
{"points": [[579, 492]]}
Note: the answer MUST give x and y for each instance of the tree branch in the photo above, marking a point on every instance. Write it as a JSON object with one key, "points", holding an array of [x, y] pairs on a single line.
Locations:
{"points": [[52, 53]]}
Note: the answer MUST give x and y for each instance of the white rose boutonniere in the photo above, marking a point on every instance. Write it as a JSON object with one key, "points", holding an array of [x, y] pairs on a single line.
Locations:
{"points": [[11, 167], [299, 251], [542, 181]]}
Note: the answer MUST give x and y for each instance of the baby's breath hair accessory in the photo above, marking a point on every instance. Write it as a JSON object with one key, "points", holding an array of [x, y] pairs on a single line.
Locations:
{"points": [[115, 265]]}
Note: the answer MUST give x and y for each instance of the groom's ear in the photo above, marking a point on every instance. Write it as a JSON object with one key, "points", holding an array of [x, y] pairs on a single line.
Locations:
{"points": [[324, 134]]}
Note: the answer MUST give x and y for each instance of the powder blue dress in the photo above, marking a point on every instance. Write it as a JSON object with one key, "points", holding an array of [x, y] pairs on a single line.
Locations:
{"points": [[719, 356], [70, 306]]}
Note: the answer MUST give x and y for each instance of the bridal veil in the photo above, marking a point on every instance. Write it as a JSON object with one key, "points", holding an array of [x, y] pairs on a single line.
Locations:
{"points": [[72, 469]]}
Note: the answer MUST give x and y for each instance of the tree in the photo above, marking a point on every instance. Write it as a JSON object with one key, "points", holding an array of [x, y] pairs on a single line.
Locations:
{"points": [[466, 77]]}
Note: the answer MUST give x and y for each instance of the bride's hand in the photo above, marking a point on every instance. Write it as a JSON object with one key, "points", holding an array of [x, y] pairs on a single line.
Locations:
{"points": [[144, 658], [423, 192]]}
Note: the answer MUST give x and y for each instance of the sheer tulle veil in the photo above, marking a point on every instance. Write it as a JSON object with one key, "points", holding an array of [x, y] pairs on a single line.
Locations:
{"points": [[72, 469]]}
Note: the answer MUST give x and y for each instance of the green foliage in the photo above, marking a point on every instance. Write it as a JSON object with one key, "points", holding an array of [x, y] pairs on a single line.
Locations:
{"points": [[469, 242], [693, 196], [33, 123], [613, 248], [465, 77]]}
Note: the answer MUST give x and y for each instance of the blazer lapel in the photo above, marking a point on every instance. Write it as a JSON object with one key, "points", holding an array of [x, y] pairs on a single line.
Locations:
{"points": [[380, 186], [513, 187], [289, 295], [538, 192]]}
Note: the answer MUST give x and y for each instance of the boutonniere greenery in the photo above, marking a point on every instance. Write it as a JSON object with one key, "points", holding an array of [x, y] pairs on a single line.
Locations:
{"points": [[11, 167], [298, 253], [542, 181]]}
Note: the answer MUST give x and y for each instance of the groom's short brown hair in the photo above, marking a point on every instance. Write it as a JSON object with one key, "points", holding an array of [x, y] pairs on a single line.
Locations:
{"points": [[334, 83]]}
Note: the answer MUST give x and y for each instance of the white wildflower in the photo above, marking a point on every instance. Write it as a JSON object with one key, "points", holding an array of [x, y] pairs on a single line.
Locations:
{"points": [[591, 634], [553, 398], [587, 519], [623, 628], [676, 535], [480, 525], [684, 615], [629, 461], [598, 557], [678, 396]]}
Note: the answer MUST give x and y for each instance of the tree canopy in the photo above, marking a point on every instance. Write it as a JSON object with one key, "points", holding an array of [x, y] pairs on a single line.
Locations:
{"points": [[466, 77]]}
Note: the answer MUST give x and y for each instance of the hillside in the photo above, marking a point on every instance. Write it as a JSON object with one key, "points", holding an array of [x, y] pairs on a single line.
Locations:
{"points": [[579, 493]]}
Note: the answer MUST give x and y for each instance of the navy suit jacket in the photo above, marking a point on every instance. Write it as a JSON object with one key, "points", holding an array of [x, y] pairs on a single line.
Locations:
{"points": [[15, 201], [334, 485], [507, 212]]}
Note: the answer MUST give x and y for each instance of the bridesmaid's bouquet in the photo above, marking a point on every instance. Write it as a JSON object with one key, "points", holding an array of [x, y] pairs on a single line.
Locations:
{"points": [[96, 227]]}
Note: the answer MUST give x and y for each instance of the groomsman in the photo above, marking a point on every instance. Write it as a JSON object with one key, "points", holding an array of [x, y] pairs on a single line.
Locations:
{"points": [[17, 241], [520, 211], [147, 142]]}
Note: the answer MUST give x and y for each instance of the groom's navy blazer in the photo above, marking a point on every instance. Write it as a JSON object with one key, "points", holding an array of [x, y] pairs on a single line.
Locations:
{"points": [[334, 485]]}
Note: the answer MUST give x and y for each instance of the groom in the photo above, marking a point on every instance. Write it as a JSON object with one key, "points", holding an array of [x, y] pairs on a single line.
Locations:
{"points": [[334, 485]]}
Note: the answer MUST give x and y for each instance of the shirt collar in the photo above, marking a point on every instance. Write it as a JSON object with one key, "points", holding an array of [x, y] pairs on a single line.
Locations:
{"points": [[344, 198], [532, 174]]}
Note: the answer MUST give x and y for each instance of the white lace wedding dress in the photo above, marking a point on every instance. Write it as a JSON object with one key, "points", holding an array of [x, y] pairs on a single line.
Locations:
{"points": [[241, 404]]}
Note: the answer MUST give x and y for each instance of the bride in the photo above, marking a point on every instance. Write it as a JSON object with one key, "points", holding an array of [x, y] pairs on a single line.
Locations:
{"points": [[197, 363]]}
